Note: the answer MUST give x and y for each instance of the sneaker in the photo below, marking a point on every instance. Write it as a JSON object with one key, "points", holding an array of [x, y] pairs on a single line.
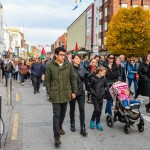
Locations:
{"points": [[92, 124], [88, 101], [61, 131], [99, 127], [22, 84], [57, 142]]}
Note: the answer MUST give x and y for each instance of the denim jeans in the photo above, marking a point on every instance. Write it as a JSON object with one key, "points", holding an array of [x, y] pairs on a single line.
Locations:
{"points": [[135, 84], [108, 107], [36, 83], [59, 111], [22, 78]]}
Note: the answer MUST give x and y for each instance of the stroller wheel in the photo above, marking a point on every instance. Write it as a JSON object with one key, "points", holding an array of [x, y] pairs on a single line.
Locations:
{"points": [[126, 129], [140, 128], [109, 121]]}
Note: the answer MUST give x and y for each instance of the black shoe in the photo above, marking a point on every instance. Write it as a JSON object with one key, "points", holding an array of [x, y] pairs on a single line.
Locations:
{"points": [[57, 142], [83, 131], [61, 131], [38, 91], [72, 127], [34, 92]]}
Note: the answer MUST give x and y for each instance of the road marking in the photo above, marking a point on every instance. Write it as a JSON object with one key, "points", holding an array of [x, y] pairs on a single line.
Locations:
{"points": [[15, 127], [147, 118], [17, 97]]}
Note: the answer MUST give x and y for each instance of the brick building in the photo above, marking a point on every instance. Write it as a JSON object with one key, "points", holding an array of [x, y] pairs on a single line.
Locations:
{"points": [[107, 8], [61, 41]]}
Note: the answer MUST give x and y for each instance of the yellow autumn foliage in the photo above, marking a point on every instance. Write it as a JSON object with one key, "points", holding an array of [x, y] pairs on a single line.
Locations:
{"points": [[129, 32]]}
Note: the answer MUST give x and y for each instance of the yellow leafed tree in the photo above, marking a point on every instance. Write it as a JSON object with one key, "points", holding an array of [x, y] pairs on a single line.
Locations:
{"points": [[129, 32]]}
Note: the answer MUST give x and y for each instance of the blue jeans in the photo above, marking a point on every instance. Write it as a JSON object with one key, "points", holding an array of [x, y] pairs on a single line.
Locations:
{"points": [[135, 84], [108, 107], [127, 102]]}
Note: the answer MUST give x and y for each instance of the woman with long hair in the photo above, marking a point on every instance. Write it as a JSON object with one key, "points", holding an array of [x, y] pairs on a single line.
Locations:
{"points": [[23, 69], [112, 76]]}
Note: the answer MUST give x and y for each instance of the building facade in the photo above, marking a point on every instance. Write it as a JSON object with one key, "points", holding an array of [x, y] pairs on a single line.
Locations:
{"points": [[76, 33], [81, 32], [107, 8]]}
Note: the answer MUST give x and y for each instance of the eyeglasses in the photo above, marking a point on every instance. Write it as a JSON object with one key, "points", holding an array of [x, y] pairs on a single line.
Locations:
{"points": [[111, 57], [62, 55]]}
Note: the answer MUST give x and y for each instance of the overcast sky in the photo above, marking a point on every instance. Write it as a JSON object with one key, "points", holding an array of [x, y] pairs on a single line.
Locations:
{"points": [[43, 20]]}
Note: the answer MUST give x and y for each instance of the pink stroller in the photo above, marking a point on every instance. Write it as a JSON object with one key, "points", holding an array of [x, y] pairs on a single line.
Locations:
{"points": [[128, 115]]}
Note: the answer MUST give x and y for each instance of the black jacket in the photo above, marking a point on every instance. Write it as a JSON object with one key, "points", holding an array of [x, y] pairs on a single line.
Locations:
{"points": [[98, 87], [82, 74], [111, 76], [144, 79], [122, 73]]}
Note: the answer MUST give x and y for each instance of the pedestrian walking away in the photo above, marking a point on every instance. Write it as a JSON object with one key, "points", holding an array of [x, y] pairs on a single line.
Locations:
{"points": [[61, 86]]}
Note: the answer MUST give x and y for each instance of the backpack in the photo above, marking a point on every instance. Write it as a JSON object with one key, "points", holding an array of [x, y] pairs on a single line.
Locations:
{"points": [[9, 67]]}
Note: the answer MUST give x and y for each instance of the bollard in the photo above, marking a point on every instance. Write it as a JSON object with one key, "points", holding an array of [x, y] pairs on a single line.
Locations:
{"points": [[1, 76], [9, 92]]}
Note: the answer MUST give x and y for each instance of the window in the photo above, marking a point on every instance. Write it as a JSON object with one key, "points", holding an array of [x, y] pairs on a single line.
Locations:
{"points": [[146, 7], [124, 5], [100, 28], [105, 40], [100, 42], [100, 15], [96, 39], [134, 6], [101, 2], [96, 22], [106, 11], [106, 25]]}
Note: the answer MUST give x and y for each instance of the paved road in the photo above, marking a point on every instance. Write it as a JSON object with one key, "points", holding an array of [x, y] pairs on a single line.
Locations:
{"points": [[30, 126]]}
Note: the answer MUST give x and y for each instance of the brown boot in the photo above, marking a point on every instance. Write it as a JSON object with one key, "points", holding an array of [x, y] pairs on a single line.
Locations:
{"points": [[61, 131], [57, 142]]}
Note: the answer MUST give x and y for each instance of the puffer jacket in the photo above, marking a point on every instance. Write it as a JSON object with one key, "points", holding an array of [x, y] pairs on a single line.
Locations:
{"points": [[98, 87]]}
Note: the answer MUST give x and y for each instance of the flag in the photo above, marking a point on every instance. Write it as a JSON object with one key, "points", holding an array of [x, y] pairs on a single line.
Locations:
{"points": [[75, 7], [43, 53], [76, 49]]}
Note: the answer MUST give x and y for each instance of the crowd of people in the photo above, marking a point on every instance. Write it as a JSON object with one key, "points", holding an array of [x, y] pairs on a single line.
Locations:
{"points": [[70, 79]]}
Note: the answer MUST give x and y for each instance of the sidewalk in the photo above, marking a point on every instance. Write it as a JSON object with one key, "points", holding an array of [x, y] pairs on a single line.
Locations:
{"points": [[6, 113]]}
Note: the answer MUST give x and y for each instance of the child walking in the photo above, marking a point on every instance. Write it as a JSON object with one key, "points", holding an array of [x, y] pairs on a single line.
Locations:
{"points": [[98, 87]]}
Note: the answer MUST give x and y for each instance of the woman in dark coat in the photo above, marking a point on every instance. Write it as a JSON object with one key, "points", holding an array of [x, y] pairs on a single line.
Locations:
{"points": [[144, 80], [121, 70], [82, 74], [112, 76]]}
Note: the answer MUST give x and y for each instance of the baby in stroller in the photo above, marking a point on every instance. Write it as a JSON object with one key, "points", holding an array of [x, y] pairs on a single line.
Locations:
{"points": [[121, 91], [127, 109]]}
